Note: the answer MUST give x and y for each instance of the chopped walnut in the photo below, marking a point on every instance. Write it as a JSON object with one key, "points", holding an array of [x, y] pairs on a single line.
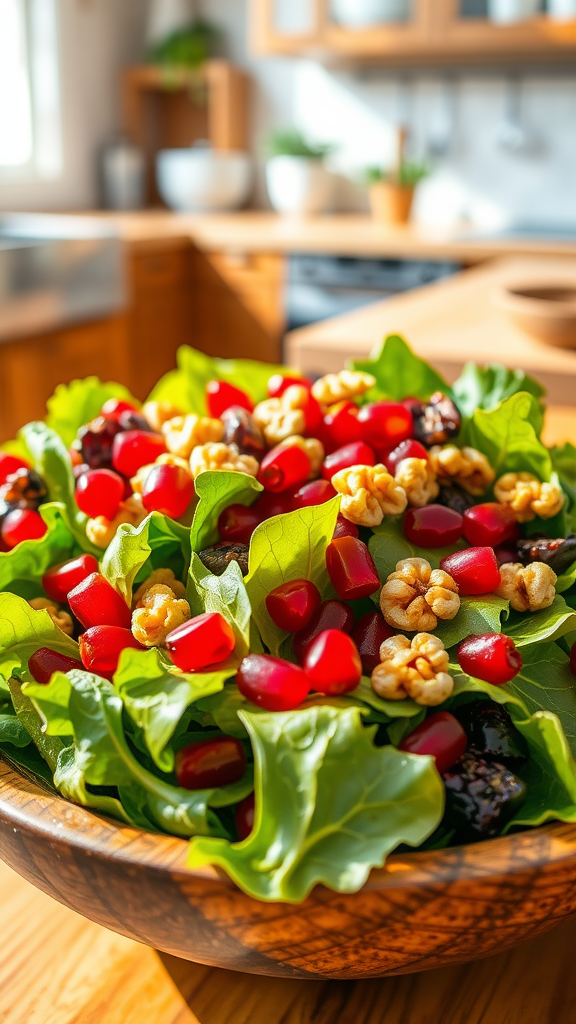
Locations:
{"points": [[279, 418], [415, 596], [465, 467], [369, 493], [343, 386], [166, 459], [416, 669], [158, 413], [101, 531], [528, 497], [314, 450], [222, 457], [184, 433], [418, 479], [59, 617], [157, 613], [529, 588], [163, 577]]}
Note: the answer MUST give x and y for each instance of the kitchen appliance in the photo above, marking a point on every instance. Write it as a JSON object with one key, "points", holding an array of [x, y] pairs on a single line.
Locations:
{"points": [[204, 179]]}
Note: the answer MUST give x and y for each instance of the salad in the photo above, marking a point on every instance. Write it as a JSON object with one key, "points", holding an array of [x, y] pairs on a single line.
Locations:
{"points": [[300, 623]]}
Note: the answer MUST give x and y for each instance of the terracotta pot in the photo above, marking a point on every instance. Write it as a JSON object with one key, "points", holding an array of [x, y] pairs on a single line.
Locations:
{"points": [[391, 204]]}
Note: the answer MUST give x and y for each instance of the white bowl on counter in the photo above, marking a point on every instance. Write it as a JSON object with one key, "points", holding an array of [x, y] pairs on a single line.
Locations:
{"points": [[203, 179], [365, 13], [298, 186]]}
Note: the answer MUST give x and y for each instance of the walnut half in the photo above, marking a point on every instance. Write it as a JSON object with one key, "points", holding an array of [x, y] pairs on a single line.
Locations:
{"points": [[529, 588], [414, 668], [157, 613], [528, 497], [415, 596], [369, 493]]}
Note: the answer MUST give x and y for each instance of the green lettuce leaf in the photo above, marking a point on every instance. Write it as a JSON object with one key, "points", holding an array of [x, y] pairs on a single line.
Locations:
{"points": [[564, 464], [315, 822], [549, 624], [284, 548], [216, 491], [12, 731], [23, 631], [484, 387], [476, 615], [508, 437], [22, 568], [225, 594], [135, 551], [75, 404], [399, 372]]}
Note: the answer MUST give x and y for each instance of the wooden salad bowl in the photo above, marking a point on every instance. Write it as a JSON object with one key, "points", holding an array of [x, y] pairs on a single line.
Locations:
{"points": [[422, 910]]}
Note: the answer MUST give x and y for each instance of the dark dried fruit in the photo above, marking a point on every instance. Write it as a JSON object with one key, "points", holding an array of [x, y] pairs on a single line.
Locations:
{"points": [[218, 557], [132, 420], [559, 553], [492, 734], [437, 421], [241, 430], [24, 489], [95, 442], [481, 798], [455, 498]]}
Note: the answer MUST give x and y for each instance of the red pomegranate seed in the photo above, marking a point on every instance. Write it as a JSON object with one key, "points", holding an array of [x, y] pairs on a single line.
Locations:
{"points": [[114, 407], [272, 683], [101, 647], [341, 426], [441, 736], [134, 449], [237, 523], [490, 524], [344, 528], [168, 489], [385, 423], [412, 404], [434, 526], [506, 553], [94, 602], [204, 640], [475, 570], [10, 464], [315, 493], [61, 579], [330, 615], [356, 454], [279, 383], [99, 493], [332, 663], [220, 396], [283, 468], [244, 817], [312, 415], [211, 763], [369, 634], [269, 505], [407, 450], [491, 657], [351, 569], [44, 663], [22, 524], [292, 605]]}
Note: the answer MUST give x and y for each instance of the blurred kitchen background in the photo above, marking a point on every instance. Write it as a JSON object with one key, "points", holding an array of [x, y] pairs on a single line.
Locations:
{"points": [[221, 172]]}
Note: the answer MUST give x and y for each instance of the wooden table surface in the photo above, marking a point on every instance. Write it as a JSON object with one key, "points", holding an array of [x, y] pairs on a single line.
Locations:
{"points": [[57, 968]]}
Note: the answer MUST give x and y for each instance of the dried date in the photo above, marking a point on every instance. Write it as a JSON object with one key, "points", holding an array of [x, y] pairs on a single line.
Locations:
{"points": [[559, 553], [481, 798], [436, 421], [241, 431], [218, 557]]}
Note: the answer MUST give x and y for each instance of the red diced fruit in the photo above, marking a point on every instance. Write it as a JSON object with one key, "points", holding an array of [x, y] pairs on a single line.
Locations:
{"points": [[99, 493], [269, 504], [272, 683], [312, 415], [330, 615], [356, 454], [341, 425], [344, 528], [384, 424], [61, 579], [10, 464], [237, 523], [114, 407], [351, 569], [407, 450], [491, 657], [441, 736], [22, 524], [332, 663], [475, 570], [317, 492], [168, 489], [292, 605], [94, 602], [283, 468], [211, 763], [136, 448], [220, 396], [101, 647], [279, 383], [44, 663], [490, 524], [369, 634], [204, 640], [434, 526], [244, 817]]}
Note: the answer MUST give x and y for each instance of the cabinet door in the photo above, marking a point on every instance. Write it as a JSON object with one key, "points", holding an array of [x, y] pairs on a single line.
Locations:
{"points": [[286, 26]]}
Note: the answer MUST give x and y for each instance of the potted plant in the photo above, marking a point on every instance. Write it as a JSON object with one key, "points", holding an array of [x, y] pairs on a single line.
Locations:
{"points": [[392, 192], [297, 180]]}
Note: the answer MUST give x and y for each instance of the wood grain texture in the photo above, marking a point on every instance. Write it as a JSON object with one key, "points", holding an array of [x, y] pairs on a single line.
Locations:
{"points": [[422, 911]]}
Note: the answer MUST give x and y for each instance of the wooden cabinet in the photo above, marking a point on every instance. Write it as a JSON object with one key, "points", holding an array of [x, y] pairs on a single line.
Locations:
{"points": [[438, 31]]}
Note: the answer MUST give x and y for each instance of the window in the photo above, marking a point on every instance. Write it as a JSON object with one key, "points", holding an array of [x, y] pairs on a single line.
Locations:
{"points": [[30, 129]]}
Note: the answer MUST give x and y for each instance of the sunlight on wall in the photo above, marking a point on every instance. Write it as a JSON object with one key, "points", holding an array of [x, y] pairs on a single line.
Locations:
{"points": [[15, 104]]}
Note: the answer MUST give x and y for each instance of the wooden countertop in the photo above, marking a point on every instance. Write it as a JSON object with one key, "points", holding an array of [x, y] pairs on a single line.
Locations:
{"points": [[58, 968]]}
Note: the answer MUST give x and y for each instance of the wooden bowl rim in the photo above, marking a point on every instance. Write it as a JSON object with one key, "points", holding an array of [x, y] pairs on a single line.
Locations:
{"points": [[26, 806], [509, 297]]}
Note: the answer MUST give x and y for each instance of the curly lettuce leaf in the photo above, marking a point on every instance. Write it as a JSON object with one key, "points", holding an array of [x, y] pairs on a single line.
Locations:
{"points": [[216, 491], [284, 548], [549, 624], [22, 568], [509, 437], [315, 822], [24, 631], [75, 404], [564, 464], [135, 551], [225, 594], [399, 372], [484, 387]]}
